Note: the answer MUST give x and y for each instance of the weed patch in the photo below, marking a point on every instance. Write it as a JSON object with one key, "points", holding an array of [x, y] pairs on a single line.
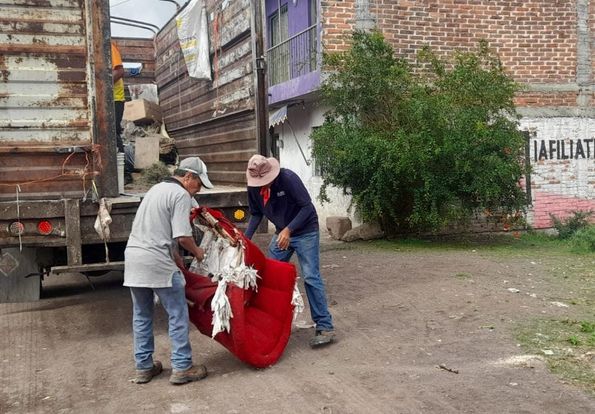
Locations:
{"points": [[583, 241], [568, 347], [570, 225]]}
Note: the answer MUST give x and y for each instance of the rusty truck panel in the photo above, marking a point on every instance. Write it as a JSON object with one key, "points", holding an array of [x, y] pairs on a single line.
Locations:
{"points": [[51, 59], [214, 120]]}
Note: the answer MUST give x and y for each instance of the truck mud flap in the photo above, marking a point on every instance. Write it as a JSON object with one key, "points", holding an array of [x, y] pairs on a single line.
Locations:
{"points": [[20, 280]]}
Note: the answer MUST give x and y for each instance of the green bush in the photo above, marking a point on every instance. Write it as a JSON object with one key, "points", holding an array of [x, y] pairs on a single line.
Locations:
{"points": [[584, 239], [420, 148], [570, 225]]}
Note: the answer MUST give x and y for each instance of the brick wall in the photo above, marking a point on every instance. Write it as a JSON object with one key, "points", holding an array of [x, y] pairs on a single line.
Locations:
{"points": [[338, 21], [546, 99], [536, 39], [592, 29], [547, 45]]}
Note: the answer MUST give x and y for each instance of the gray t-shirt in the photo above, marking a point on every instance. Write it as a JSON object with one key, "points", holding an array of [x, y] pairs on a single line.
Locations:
{"points": [[163, 216]]}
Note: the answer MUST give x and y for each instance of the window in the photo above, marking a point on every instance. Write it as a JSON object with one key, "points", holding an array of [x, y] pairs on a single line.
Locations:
{"points": [[313, 38], [293, 40], [279, 58], [313, 11]]}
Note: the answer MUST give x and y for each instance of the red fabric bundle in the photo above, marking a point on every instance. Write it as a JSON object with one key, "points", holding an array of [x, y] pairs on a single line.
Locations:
{"points": [[261, 322]]}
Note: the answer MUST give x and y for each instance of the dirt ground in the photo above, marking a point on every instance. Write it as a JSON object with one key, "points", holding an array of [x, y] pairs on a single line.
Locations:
{"points": [[399, 315]]}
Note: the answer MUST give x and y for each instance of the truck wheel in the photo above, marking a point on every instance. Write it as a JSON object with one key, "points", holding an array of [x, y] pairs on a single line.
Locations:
{"points": [[20, 280]]}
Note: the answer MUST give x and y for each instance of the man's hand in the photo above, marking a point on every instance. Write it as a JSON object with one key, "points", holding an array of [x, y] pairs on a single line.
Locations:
{"points": [[199, 253], [188, 244], [283, 238], [118, 73], [178, 259]]}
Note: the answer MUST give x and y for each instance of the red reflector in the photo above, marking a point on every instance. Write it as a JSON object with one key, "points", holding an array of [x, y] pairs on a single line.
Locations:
{"points": [[16, 228], [44, 227]]}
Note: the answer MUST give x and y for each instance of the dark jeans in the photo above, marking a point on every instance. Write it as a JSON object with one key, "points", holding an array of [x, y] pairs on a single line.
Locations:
{"points": [[119, 111]]}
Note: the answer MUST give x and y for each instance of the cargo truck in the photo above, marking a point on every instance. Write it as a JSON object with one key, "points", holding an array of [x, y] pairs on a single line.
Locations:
{"points": [[57, 131]]}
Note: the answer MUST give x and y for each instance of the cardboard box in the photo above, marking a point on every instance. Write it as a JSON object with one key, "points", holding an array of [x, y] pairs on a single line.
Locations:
{"points": [[141, 111], [146, 151]]}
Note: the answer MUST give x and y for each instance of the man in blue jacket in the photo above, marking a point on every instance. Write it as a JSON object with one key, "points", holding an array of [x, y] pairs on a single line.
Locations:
{"points": [[280, 195]]}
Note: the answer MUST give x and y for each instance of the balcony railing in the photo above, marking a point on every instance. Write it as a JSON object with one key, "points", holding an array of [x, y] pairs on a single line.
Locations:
{"points": [[293, 57]]}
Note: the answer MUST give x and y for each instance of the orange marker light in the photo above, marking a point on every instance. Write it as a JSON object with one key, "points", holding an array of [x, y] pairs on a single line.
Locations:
{"points": [[239, 215]]}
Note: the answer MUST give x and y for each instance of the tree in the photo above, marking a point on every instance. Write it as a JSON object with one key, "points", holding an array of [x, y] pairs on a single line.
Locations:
{"points": [[420, 147]]}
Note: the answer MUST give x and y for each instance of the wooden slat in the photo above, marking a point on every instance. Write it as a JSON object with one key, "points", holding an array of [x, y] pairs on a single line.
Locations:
{"points": [[73, 231]]}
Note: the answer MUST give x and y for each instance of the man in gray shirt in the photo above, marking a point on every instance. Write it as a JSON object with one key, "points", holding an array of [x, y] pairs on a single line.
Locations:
{"points": [[152, 261]]}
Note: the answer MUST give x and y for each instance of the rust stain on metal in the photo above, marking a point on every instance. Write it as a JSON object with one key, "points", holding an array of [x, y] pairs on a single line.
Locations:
{"points": [[71, 76], [45, 53], [73, 90], [42, 48], [27, 27], [4, 72], [39, 3]]}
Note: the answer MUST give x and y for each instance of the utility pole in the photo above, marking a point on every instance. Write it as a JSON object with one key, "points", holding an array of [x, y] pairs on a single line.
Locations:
{"points": [[259, 53]]}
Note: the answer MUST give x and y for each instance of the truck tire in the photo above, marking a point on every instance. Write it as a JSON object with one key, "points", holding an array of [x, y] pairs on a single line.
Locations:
{"points": [[20, 279]]}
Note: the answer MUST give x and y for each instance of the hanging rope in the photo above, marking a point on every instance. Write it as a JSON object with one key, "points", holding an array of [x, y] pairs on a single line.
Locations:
{"points": [[216, 35], [83, 173], [19, 219]]}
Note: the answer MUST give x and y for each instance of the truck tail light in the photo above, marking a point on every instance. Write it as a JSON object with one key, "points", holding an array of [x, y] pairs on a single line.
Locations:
{"points": [[44, 227], [16, 228]]}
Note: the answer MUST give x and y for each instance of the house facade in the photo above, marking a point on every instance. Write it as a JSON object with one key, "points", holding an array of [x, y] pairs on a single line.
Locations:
{"points": [[546, 45]]}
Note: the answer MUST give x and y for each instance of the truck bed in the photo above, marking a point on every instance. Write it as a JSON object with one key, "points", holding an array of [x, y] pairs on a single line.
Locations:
{"points": [[139, 189]]}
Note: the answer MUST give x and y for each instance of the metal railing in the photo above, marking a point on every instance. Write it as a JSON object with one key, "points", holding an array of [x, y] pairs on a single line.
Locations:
{"points": [[293, 57]]}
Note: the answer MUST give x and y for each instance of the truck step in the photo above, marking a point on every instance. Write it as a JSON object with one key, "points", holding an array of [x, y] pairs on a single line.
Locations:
{"points": [[88, 267]]}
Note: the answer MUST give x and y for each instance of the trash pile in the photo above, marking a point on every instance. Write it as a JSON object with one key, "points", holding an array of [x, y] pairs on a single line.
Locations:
{"points": [[146, 141]]}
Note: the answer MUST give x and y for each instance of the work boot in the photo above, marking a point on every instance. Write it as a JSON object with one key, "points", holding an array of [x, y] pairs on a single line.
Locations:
{"points": [[191, 374], [322, 338], [145, 375]]}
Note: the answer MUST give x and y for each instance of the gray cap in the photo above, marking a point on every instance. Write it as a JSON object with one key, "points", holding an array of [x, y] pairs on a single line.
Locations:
{"points": [[196, 166]]}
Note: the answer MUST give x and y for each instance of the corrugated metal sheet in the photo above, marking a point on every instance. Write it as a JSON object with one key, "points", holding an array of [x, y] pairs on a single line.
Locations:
{"points": [[213, 120], [44, 99]]}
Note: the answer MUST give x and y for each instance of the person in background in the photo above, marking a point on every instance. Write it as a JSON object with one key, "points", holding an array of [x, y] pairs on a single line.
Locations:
{"points": [[152, 267], [119, 96], [280, 195]]}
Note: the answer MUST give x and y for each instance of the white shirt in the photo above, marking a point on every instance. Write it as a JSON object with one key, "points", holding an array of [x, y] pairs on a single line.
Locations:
{"points": [[163, 216]]}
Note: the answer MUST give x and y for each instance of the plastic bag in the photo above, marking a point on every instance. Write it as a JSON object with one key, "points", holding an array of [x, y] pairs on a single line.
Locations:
{"points": [[194, 41]]}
